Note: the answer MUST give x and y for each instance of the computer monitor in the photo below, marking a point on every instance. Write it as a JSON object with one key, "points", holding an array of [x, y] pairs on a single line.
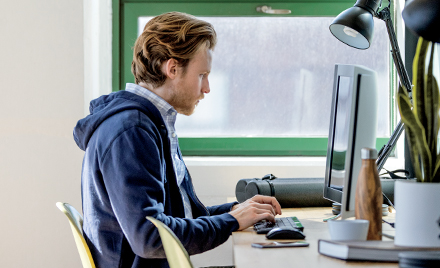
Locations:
{"points": [[353, 123]]}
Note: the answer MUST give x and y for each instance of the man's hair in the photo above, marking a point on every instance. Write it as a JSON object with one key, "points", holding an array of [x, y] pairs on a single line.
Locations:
{"points": [[171, 35]]}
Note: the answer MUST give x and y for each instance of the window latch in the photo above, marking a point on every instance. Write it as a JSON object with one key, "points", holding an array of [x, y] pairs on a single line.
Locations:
{"points": [[269, 10]]}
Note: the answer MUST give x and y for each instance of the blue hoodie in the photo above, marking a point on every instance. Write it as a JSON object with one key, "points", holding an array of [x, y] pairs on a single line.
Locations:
{"points": [[127, 175]]}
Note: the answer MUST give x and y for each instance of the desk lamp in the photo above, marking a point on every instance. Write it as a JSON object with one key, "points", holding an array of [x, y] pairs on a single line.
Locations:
{"points": [[355, 28], [423, 18]]}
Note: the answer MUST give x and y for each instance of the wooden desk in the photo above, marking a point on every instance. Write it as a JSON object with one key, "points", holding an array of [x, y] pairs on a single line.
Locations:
{"points": [[314, 229]]}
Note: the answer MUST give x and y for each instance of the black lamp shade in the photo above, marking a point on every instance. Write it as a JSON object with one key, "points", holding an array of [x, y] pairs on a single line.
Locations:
{"points": [[423, 18], [354, 27]]}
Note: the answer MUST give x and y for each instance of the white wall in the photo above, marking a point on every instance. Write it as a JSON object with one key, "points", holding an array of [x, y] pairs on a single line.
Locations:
{"points": [[42, 95]]}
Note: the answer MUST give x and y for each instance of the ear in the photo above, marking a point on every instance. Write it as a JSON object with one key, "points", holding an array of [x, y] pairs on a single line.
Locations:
{"points": [[170, 68]]}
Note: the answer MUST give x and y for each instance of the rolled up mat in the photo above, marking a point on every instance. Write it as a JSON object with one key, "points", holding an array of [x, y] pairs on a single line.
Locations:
{"points": [[291, 193], [295, 192]]}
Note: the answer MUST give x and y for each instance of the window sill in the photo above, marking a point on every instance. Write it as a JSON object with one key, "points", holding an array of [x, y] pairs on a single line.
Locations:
{"points": [[199, 161]]}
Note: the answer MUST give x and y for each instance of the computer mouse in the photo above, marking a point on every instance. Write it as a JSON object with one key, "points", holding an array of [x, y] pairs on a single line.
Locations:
{"points": [[285, 233]]}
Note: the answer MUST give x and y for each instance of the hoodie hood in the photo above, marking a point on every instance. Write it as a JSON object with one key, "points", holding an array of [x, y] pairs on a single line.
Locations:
{"points": [[108, 105]]}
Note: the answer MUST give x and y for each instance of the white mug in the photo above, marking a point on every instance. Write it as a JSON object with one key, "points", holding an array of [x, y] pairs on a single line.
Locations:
{"points": [[348, 229]]}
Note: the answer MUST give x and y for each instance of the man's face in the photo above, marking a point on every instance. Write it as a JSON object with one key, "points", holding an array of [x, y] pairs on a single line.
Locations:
{"points": [[190, 87]]}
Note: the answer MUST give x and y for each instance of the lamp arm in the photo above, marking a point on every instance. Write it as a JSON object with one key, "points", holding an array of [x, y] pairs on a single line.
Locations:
{"points": [[385, 151], [385, 15]]}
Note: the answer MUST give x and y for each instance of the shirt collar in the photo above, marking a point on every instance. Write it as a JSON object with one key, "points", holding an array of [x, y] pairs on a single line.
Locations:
{"points": [[166, 110]]}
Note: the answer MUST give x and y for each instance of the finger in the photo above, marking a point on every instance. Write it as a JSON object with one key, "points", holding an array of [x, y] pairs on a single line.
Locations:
{"points": [[266, 207], [268, 200], [261, 210], [277, 206], [265, 216]]}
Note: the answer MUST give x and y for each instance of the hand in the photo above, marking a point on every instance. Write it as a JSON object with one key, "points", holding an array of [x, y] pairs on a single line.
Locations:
{"points": [[255, 209]]}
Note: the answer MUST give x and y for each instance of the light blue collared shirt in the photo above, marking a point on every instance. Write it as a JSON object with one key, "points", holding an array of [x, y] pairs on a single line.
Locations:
{"points": [[169, 115]]}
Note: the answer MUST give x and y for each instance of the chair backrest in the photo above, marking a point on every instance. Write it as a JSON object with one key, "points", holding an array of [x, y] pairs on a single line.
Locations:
{"points": [[176, 254], [76, 223]]}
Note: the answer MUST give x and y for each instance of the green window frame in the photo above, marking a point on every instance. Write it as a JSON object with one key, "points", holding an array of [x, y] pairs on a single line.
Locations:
{"points": [[125, 23]]}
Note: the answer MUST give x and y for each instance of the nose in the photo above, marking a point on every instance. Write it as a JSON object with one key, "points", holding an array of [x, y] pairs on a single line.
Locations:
{"points": [[205, 86]]}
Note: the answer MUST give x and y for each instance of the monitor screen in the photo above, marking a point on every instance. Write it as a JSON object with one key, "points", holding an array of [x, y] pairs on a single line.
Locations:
{"points": [[352, 127], [341, 131]]}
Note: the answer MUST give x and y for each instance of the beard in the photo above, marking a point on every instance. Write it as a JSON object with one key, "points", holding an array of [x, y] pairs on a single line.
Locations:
{"points": [[183, 102]]}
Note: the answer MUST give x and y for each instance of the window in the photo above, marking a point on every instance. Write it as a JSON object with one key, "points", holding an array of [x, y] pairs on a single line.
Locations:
{"points": [[272, 76]]}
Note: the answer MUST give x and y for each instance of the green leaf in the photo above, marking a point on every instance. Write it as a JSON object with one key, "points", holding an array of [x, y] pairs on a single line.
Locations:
{"points": [[430, 106], [418, 80], [414, 153], [404, 104], [421, 119], [436, 174], [436, 89], [415, 127], [432, 99]]}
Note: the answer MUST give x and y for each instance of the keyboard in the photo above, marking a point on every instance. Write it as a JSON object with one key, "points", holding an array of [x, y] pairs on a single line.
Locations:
{"points": [[263, 227]]}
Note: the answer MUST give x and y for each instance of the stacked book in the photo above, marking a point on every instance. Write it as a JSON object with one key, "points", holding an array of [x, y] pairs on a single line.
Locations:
{"points": [[370, 250]]}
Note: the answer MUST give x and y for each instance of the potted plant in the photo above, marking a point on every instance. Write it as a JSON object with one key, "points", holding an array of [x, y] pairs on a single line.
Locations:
{"points": [[417, 202]]}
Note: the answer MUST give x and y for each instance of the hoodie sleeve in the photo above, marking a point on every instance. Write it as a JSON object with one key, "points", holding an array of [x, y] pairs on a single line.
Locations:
{"points": [[134, 174], [220, 209]]}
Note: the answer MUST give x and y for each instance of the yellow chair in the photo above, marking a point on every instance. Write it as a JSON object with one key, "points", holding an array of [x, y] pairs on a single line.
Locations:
{"points": [[176, 254], [76, 223]]}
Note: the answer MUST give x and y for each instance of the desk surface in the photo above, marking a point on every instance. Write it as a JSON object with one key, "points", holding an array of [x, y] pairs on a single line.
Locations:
{"points": [[314, 229]]}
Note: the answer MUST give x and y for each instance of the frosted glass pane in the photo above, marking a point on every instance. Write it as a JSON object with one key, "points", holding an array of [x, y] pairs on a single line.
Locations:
{"points": [[273, 77]]}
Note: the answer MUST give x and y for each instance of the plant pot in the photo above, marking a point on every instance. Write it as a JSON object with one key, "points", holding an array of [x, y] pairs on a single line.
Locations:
{"points": [[417, 214]]}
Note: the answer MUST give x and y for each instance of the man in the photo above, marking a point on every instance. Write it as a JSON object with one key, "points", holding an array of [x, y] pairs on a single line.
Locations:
{"points": [[133, 167]]}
